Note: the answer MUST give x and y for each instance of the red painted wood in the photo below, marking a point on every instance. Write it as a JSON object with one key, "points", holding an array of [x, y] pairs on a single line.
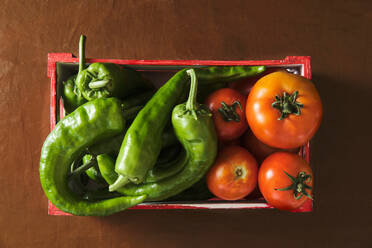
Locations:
{"points": [[53, 58]]}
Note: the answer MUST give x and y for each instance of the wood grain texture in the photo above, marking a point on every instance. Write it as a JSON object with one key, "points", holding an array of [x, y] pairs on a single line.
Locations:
{"points": [[337, 34]]}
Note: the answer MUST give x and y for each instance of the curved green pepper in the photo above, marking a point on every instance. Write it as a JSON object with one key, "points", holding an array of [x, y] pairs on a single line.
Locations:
{"points": [[142, 141], [72, 97], [106, 167], [88, 124], [107, 80], [112, 145], [100, 194], [195, 130]]}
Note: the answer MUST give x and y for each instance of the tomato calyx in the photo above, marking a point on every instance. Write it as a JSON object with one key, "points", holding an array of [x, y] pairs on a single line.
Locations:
{"points": [[228, 112], [287, 104], [299, 185]]}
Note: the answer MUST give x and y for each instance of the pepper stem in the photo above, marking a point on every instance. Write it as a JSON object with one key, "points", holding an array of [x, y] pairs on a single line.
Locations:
{"points": [[191, 103], [82, 53], [98, 84]]}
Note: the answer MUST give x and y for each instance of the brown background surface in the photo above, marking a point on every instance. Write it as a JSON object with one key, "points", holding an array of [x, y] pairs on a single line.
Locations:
{"points": [[337, 34]]}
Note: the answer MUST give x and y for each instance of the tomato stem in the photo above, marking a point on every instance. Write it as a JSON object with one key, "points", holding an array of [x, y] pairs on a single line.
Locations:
{"points": [[287, 104], [228, 112], [298, 185]]}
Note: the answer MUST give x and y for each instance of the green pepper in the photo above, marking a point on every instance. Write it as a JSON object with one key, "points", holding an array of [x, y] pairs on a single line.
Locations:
{"points": [[194, 128], [93, 172], [167, 169], [132, 106], [170, 168], [161, 170], [72, 97], [112, 145], [100, 194], [225, 74], [142, 141], [90, 123], [107, 79], [106, 166]]}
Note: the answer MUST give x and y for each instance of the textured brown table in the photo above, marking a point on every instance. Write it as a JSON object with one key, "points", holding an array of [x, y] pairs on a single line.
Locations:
{"points": [[337, 34]]}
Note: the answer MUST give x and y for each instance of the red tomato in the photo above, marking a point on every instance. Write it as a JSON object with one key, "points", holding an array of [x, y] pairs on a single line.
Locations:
{"points": [[244, 86], [235, 142], [228, 109], [276, 185], [233, 175], [260, 150], [284, 110]]}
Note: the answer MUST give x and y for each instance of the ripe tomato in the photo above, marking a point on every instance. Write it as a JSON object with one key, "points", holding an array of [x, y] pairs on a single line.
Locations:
{"points": [[285, 180], [284, 110], [233, 175], [260, 150], [228, 109], [235, 142]]}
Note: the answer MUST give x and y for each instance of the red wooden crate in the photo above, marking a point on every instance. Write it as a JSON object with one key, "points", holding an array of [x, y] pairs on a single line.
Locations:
{"points": [[162, 70]]}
